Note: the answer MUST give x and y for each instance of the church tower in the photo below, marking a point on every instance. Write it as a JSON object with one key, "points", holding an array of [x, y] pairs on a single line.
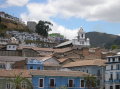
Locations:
{"points": [[81, 39], [81, 34]]}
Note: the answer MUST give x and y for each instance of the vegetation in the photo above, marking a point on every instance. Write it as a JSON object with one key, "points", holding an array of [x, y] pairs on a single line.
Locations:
{"points": [[6, 24], [91, 82], [62, 87], [98, 39], [56, 35], [43, 27], [18, 80]]}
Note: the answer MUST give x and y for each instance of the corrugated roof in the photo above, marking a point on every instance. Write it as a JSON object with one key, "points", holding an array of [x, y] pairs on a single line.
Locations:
{"points": [[64, 43], [95, 62]]}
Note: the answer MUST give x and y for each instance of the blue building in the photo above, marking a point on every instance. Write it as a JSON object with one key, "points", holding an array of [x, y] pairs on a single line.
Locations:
{"points": [[34, 64], [52, 79]]}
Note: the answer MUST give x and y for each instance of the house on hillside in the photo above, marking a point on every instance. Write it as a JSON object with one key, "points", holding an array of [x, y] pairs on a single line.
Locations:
{"points": [[51, 79]]}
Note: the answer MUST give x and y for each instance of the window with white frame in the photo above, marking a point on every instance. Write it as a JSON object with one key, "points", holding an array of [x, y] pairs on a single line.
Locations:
{"points": [[23, 85], [41, 82], [8, 85], [70, 83], [82, 83], [52, 82]]}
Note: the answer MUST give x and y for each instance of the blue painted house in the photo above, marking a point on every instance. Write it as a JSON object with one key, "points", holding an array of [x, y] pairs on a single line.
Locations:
{"points": [[52, 79], [34, 64]]}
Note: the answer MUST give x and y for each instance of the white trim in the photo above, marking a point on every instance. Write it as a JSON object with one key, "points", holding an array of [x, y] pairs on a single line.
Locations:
{"points": [[80, 83], [54, 81], [68, 83], [8, 84], [39, 83]]}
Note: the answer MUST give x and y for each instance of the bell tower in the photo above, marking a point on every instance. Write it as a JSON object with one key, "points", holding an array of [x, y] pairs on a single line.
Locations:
{"points": [[81, 34]]}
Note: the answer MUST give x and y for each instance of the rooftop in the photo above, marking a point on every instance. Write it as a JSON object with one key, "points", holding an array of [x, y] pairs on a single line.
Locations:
{"points": [[59, 73], [14, 72], [95, 62]]}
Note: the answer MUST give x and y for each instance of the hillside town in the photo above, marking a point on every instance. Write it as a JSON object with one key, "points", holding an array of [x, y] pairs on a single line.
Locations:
{"points": [[55, 62]]}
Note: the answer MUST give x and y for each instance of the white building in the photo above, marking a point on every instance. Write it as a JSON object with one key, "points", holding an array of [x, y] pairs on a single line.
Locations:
{"points": [[12, 45], [80, 42], [112, 74], [81, 39]]}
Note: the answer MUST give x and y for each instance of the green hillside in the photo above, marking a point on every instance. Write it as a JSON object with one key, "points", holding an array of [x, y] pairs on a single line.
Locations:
{"points": [[98, 39]]}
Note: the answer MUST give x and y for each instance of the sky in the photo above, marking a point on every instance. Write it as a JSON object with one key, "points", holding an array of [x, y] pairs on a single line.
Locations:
{"points": [[68, 16]]}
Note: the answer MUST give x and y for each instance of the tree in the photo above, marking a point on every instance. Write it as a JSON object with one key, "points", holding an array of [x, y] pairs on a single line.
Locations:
{"points": [[43, 27], [18, 80], [114, 47], [90, 81]]}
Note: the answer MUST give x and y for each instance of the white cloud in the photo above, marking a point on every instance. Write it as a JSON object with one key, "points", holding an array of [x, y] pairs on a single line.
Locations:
{"points": [[14, 3], [92, 10], [68, 33]]}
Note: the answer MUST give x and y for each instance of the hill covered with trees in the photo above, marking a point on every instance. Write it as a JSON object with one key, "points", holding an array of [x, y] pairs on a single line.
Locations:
{"points": [[98, 39]]}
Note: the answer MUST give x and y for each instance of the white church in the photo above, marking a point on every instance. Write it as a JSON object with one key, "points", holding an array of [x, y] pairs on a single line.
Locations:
{"points": [[79, 42]]}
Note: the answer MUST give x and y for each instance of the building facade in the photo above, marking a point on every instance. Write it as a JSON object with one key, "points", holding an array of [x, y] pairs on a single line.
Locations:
{"points": [[55, 79], [112, 74], [34, 64], [95, 67]]}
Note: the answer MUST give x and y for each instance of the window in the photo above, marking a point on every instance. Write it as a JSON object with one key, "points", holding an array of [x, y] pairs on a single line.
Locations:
{"points": [[108, 59], [111, 67], [113, 59], [9, 46], [8, 86], [52, 82], [13, 46], [118, 67], [111, 76], [82, 83], [70, 83], [41, 82], [23, 85], [119, 59], [87, 71], [117, 76], [111, 87], [38, 68], [98, 73], [31, 67], [82, 35], [2, 66]]}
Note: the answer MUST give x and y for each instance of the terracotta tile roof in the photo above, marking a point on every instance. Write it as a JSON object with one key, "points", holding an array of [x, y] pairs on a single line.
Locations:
{"points": [[12, 73], [59, 73], [51, 64], [36, 48], [95, 62], [62, 50], [62, 59], [58, 50], [11, 58]]}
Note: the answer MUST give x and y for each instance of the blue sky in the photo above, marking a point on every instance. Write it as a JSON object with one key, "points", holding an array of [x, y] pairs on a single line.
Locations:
{"points": [[68, 17]]}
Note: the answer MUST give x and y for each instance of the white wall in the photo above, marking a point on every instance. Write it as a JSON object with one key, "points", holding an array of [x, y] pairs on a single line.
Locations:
{"points": [[11, 47]]}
